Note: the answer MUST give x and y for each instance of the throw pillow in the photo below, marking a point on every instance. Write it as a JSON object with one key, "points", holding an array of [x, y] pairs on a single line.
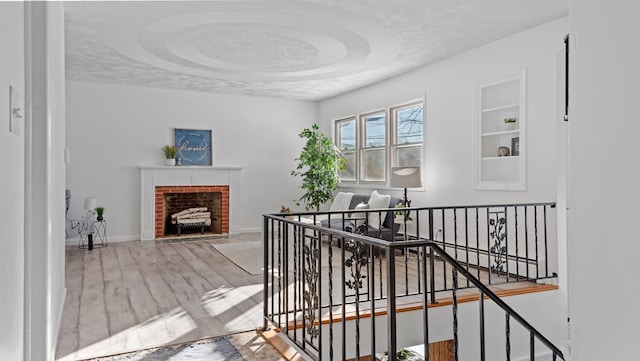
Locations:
{"points": [[378, 201], [360, 216], [341, 201]]}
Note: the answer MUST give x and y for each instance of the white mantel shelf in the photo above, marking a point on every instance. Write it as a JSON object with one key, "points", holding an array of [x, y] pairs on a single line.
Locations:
{"points": [[152, 176]]}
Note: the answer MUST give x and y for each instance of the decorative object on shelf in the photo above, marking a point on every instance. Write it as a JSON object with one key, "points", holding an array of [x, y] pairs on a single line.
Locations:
{"points": [[405, 177], [515, 146], [100, 212], [170, 152], [511, 123], [318, 165], [503, 152], [194, 146]]}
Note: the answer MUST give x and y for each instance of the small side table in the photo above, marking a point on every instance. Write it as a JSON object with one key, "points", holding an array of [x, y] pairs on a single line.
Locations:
{"points": [[98, 232]]}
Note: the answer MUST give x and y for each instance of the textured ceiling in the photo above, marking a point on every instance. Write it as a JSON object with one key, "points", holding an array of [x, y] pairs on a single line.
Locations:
{"points": [[298, 49]]}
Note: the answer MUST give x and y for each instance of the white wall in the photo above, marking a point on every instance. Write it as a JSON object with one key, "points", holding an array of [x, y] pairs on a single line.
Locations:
{"points": [[539, 309], [450, 112], [111, 130], [11, 185], [44, 201], [604, 178]]}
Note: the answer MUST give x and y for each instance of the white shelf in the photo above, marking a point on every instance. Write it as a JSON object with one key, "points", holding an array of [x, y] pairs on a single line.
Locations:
{"points": [[506, 132], [503, 107], [499, 99], [501, 158]]}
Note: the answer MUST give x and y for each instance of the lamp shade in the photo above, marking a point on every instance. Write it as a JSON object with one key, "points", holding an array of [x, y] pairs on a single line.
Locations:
{"points": [[90, 203], [405, 177]]}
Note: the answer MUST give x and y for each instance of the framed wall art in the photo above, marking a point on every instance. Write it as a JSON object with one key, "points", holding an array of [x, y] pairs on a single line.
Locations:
{"points": [[194, 147], [515, 146]]}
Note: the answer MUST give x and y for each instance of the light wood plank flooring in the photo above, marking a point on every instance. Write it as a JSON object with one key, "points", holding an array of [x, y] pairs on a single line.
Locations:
{"points": [[132, 295], [138, 295]]}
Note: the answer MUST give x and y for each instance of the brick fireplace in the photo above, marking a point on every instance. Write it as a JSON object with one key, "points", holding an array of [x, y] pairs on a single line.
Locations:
{"points": [[172, 199], [224, 181]]}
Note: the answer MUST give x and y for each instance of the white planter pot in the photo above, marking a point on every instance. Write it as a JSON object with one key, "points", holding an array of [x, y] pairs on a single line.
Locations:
{"points": [[170, 162]]}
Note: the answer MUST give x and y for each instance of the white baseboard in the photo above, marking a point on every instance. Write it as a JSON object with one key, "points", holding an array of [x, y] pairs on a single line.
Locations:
{"points": [[74, 240], [247, 230]]}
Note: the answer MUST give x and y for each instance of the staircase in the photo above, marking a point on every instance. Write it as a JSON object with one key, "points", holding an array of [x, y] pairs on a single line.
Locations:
{"points": [[321, 286]]}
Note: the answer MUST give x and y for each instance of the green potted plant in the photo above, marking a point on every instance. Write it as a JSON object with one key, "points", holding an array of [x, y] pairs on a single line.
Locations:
{"points": [[318, 165], [170, 152], [100, 212], [511, 123]]}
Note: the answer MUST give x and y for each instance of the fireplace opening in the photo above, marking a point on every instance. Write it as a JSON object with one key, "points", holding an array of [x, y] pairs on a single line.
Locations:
{"points": [[210, 205], [171, 200]]}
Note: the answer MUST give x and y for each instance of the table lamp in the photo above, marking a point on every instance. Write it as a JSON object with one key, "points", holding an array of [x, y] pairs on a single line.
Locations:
{"points": [[406, 177], [90, 205]]}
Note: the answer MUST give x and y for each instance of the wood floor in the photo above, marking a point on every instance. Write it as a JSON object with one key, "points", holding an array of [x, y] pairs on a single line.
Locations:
{"points": [[132, 295], [138, 295]]}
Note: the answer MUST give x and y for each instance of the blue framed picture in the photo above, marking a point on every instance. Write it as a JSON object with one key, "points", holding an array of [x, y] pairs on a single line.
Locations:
{"points": [[194, 146]]}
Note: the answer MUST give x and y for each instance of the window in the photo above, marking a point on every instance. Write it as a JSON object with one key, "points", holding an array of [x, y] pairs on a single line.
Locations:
{"points": [[346, 142], [408, 130], [370, 143], [373, 152]]}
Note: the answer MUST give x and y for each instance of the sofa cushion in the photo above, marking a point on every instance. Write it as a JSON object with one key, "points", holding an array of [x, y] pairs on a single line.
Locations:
{"points": [[341, 201], [360, 217], [377, 200]]}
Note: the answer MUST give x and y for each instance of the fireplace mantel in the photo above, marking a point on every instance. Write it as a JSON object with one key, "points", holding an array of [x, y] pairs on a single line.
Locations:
{"points": [[152, 176]]}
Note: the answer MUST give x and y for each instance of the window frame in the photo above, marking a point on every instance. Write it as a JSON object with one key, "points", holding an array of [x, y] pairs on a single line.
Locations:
{"points": [[363, 147], [394, 145], [390, 145], [338, 141]]}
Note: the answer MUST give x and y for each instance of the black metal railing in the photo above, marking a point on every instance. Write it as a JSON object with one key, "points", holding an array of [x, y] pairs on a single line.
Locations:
{"points": [[319, 279]]}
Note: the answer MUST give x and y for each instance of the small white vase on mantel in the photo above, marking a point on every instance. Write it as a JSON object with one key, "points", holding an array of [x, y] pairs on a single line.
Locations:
{"points": [[171, 161]]}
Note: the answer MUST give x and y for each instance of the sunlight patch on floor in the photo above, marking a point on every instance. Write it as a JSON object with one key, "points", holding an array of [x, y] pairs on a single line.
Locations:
{"points": [[159, 330]]}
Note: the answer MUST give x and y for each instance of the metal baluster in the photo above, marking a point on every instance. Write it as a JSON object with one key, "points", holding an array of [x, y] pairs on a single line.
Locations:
{"points": [[371, 266], [482, 340], [478, 242], [444, 247], [506, 240], [508, 335], [532, 346], [330, 297], [343, 282], [535, 229], [454, 294], [391, 306], [466, 238], [432, 267], [418, 256], [546, 245], [318, 248], [280, 235], [488, 245], [295, 286], [517, 251], [265, 272], [286, 278], [425, 305], [526, 238]]}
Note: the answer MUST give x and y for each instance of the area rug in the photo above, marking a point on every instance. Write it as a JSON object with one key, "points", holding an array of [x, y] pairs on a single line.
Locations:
{"points": [[217, 348], [246, 255]]}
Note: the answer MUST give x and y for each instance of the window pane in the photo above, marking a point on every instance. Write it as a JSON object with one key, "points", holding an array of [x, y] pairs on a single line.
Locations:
{"points": [[408, 156], [349, 172], [373, 165], [375, 130], [409, 125], [347, 135]]}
